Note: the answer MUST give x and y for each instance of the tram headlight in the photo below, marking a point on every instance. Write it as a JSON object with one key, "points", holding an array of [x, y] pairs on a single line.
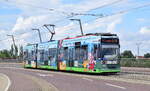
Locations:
{"points": [[112, 62], [103, 62]]}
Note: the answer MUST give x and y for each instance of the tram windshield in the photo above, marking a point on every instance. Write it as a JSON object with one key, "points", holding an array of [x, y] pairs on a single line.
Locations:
{"points": [[105, 51], [109, 51]]}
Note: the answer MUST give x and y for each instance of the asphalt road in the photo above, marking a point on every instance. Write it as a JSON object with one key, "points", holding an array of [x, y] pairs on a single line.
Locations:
{"points": [[35, 80]]}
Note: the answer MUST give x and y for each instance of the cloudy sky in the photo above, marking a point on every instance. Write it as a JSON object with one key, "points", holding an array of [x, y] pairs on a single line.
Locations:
{"points": [[127, 18]]}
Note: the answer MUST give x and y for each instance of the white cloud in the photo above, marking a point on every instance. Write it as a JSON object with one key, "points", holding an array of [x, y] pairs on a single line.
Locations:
{"points": [[111, 26], [141, 20], [32, 16], [18, 25], [5, 41], [3, 34], [65, 31], [145, 30], [129, 39], [107, 24], [23, 24], [91, 27]]}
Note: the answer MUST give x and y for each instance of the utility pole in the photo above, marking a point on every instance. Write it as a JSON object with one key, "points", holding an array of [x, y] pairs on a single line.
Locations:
{"points": [[79, 24], [138, 48], [12, 40], [51, 31], [38, 33]]}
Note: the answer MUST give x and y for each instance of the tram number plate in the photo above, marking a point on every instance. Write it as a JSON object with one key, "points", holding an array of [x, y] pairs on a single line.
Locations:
{"points": [[111, 62]]}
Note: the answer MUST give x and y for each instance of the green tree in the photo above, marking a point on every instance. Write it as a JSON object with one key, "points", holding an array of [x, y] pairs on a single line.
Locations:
{"points": [[127, 54], [5, 54], [12, 53], [147, 55]]}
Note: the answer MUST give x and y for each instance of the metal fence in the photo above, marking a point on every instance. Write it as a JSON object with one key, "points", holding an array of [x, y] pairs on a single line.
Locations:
{"points": [[6, 60], [125, 62], [134, 62]]}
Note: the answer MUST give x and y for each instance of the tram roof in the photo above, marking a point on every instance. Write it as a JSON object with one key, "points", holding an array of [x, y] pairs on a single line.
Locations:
{"points": [[86, 35], [92, 34]]}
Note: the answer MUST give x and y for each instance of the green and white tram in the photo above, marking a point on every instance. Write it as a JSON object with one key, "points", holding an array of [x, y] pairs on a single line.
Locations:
{"points": [[92, 53]]}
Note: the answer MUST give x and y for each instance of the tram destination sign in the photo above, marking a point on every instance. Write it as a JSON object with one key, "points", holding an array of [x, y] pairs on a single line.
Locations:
{"points": [[110, 40]]}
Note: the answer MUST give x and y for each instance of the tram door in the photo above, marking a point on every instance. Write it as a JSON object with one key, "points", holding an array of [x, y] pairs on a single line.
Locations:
{"points": [[71, 56], [33, 56]]}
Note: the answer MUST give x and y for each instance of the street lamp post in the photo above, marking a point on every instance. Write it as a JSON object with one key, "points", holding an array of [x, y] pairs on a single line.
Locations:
{"points": [[138, 49]]}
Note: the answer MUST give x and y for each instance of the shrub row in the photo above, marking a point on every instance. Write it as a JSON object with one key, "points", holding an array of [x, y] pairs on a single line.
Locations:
{"points": [[133, 62]]}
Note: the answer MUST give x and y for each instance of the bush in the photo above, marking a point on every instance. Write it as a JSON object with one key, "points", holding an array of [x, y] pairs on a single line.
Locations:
{"points": [[133, 62]]}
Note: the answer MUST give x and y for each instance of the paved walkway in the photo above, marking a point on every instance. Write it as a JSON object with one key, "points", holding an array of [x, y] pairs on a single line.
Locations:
{"points": [[4, 82]]}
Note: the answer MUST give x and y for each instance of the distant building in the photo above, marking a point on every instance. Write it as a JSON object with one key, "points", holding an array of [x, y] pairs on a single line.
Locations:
{"points": [[139, 57]]}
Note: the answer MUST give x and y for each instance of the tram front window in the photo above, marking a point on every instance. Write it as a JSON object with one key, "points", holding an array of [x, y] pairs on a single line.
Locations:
{"points": [[110, 55], [109, 51]]}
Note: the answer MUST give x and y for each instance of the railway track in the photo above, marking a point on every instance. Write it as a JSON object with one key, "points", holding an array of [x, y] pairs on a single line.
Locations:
{"points": [[133, 75], [126, 73], [134, 72]]}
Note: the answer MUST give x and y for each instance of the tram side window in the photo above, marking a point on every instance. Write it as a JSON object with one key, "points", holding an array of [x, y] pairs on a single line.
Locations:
{"points": [[84, 52], [41, 55], [71, 54], [52, 53], [81, 52], [65, 53], [46, 55], [32, 55], [77, 53], [32, 52]]}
